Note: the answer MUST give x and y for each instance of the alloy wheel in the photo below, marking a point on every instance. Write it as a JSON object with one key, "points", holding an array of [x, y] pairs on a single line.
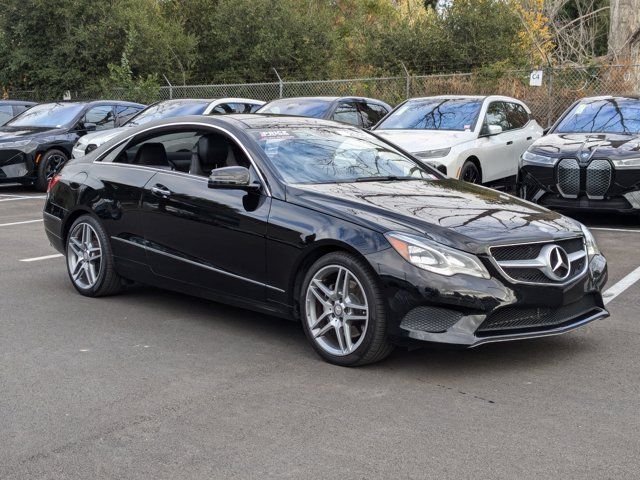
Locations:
{"points": [[337, 312], [471, 174], [53, 163], [84, 255]]}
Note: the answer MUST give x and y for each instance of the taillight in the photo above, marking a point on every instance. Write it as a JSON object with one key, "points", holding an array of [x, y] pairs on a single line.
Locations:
{"points": [[52, 183]]}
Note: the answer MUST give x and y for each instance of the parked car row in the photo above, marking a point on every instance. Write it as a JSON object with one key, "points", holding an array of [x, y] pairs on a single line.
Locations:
{"points": [[589, 159]]}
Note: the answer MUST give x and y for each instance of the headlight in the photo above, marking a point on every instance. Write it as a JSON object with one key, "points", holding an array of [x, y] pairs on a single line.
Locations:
{"points": [[16, 143], [529, 158], [590, 242], [626, 163], [434, 257], [442, 152]]}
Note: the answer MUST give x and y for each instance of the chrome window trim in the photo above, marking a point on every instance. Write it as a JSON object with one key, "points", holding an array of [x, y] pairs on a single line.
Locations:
{"points": [[182, 124], [197, 264], [573, 257]]}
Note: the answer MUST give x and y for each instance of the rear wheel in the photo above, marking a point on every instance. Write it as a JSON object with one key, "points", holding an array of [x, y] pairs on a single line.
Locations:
{"points": [[343, 311], [47, 167], [470, 172], [89, 259]]}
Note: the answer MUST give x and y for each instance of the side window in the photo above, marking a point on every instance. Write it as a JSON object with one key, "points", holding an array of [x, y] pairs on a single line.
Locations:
{"points": [[371, 113], [6, 114], [254, 108], [101, 116], [189, 151], [346, 112], [517, 116], [496, 115], [125, 112], [223, 109], [18, 109]]}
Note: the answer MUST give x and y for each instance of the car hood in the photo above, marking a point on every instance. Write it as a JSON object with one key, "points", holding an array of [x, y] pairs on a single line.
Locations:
{"points": [[98, 138], [588, 145], [10, 133], [459, 214], [420, 140]]}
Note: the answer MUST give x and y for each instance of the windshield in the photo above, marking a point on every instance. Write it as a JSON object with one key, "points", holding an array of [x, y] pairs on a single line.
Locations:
{"points": [[166, 110], [613, 115], [333, 155], [48, 115], [434, 114], [316, 108]]}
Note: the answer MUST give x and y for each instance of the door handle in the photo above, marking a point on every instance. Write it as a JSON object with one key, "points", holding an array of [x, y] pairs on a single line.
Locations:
{"points": [[529, 138], [510, 142], [160, 191]]}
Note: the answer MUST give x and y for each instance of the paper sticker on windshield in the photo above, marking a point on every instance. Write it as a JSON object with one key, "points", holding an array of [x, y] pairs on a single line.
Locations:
{"points": [[275, 134], [580, 108], [467, 127]]}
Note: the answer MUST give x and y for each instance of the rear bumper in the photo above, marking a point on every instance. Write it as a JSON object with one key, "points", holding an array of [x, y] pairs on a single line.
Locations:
{"points": [[53, 226]]}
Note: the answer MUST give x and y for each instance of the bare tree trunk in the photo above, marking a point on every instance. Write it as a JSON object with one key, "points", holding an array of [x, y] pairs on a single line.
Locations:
{"points": [[624, 32]]}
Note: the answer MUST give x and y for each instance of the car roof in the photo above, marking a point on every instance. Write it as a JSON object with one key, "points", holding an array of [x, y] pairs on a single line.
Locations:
{"points": [[257, 120], [611, 97], [95, 102], [17, 102], [330, 99]]}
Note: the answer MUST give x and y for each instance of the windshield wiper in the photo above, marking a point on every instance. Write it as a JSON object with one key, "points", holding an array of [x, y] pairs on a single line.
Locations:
{"points": [[383, 178]]}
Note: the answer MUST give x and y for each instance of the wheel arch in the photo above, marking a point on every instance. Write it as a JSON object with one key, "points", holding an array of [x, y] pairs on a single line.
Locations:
{"points": [[476, 161], [72, 217], [308, 258]]}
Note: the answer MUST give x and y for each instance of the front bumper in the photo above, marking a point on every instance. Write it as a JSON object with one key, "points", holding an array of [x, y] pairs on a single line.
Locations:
{"points": [[470, 311], [17, 166]]}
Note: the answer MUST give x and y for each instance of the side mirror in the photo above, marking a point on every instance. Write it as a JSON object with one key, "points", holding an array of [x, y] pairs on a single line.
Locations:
{"points": [[494, 129], [85, 127], [232, 177]]}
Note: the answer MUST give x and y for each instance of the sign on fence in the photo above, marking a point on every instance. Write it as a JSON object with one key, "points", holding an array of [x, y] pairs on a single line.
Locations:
{"points": [[535, 79]]}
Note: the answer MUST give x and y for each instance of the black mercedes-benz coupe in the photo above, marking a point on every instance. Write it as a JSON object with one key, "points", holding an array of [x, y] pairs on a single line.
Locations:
{"points": [[36, 142], [322, 222], [590, 159]]}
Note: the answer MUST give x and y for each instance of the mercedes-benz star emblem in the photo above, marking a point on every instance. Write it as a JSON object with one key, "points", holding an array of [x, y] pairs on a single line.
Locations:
{"points": [[558, 263]]}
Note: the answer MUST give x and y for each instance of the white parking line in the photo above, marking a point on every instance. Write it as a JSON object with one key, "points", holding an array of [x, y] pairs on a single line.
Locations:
{"points": [[621, 286], [19, 223], [37, 259], [604, 229]]}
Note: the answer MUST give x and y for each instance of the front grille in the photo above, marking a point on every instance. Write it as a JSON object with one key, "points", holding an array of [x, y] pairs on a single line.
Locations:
{"points": [[598, 178], [528, 262], [569, 177], [514, 319], [528, 251], [430, 319]]}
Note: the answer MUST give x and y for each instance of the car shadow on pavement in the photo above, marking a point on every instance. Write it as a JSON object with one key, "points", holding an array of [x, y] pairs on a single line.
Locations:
{"points": [[281, 333]]}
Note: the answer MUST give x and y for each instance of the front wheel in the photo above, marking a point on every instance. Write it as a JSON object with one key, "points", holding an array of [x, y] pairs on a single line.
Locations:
{"points": [[49, 164], [89, 259], [470, 172], [343, 311]]}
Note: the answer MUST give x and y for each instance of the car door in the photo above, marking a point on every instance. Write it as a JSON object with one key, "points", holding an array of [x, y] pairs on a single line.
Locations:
{"points": [[496, 151], [347, 112], [209, 238], [527, 129]]}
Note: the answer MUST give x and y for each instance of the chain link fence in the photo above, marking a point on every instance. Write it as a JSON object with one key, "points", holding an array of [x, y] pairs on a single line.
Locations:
{"points": [[559, 87]]}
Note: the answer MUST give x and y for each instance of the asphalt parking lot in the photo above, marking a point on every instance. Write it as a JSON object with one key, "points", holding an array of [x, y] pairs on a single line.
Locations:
{"points": [[152, 384]]}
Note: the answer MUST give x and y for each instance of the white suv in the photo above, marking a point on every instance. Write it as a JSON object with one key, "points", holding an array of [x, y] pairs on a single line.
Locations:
{"points": [[168, 109], [473, 138]]}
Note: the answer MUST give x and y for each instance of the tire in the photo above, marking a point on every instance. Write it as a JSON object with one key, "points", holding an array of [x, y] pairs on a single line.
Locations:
{"points": [[87, 238], [333, 315], [470, 172], [51, 160]]}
